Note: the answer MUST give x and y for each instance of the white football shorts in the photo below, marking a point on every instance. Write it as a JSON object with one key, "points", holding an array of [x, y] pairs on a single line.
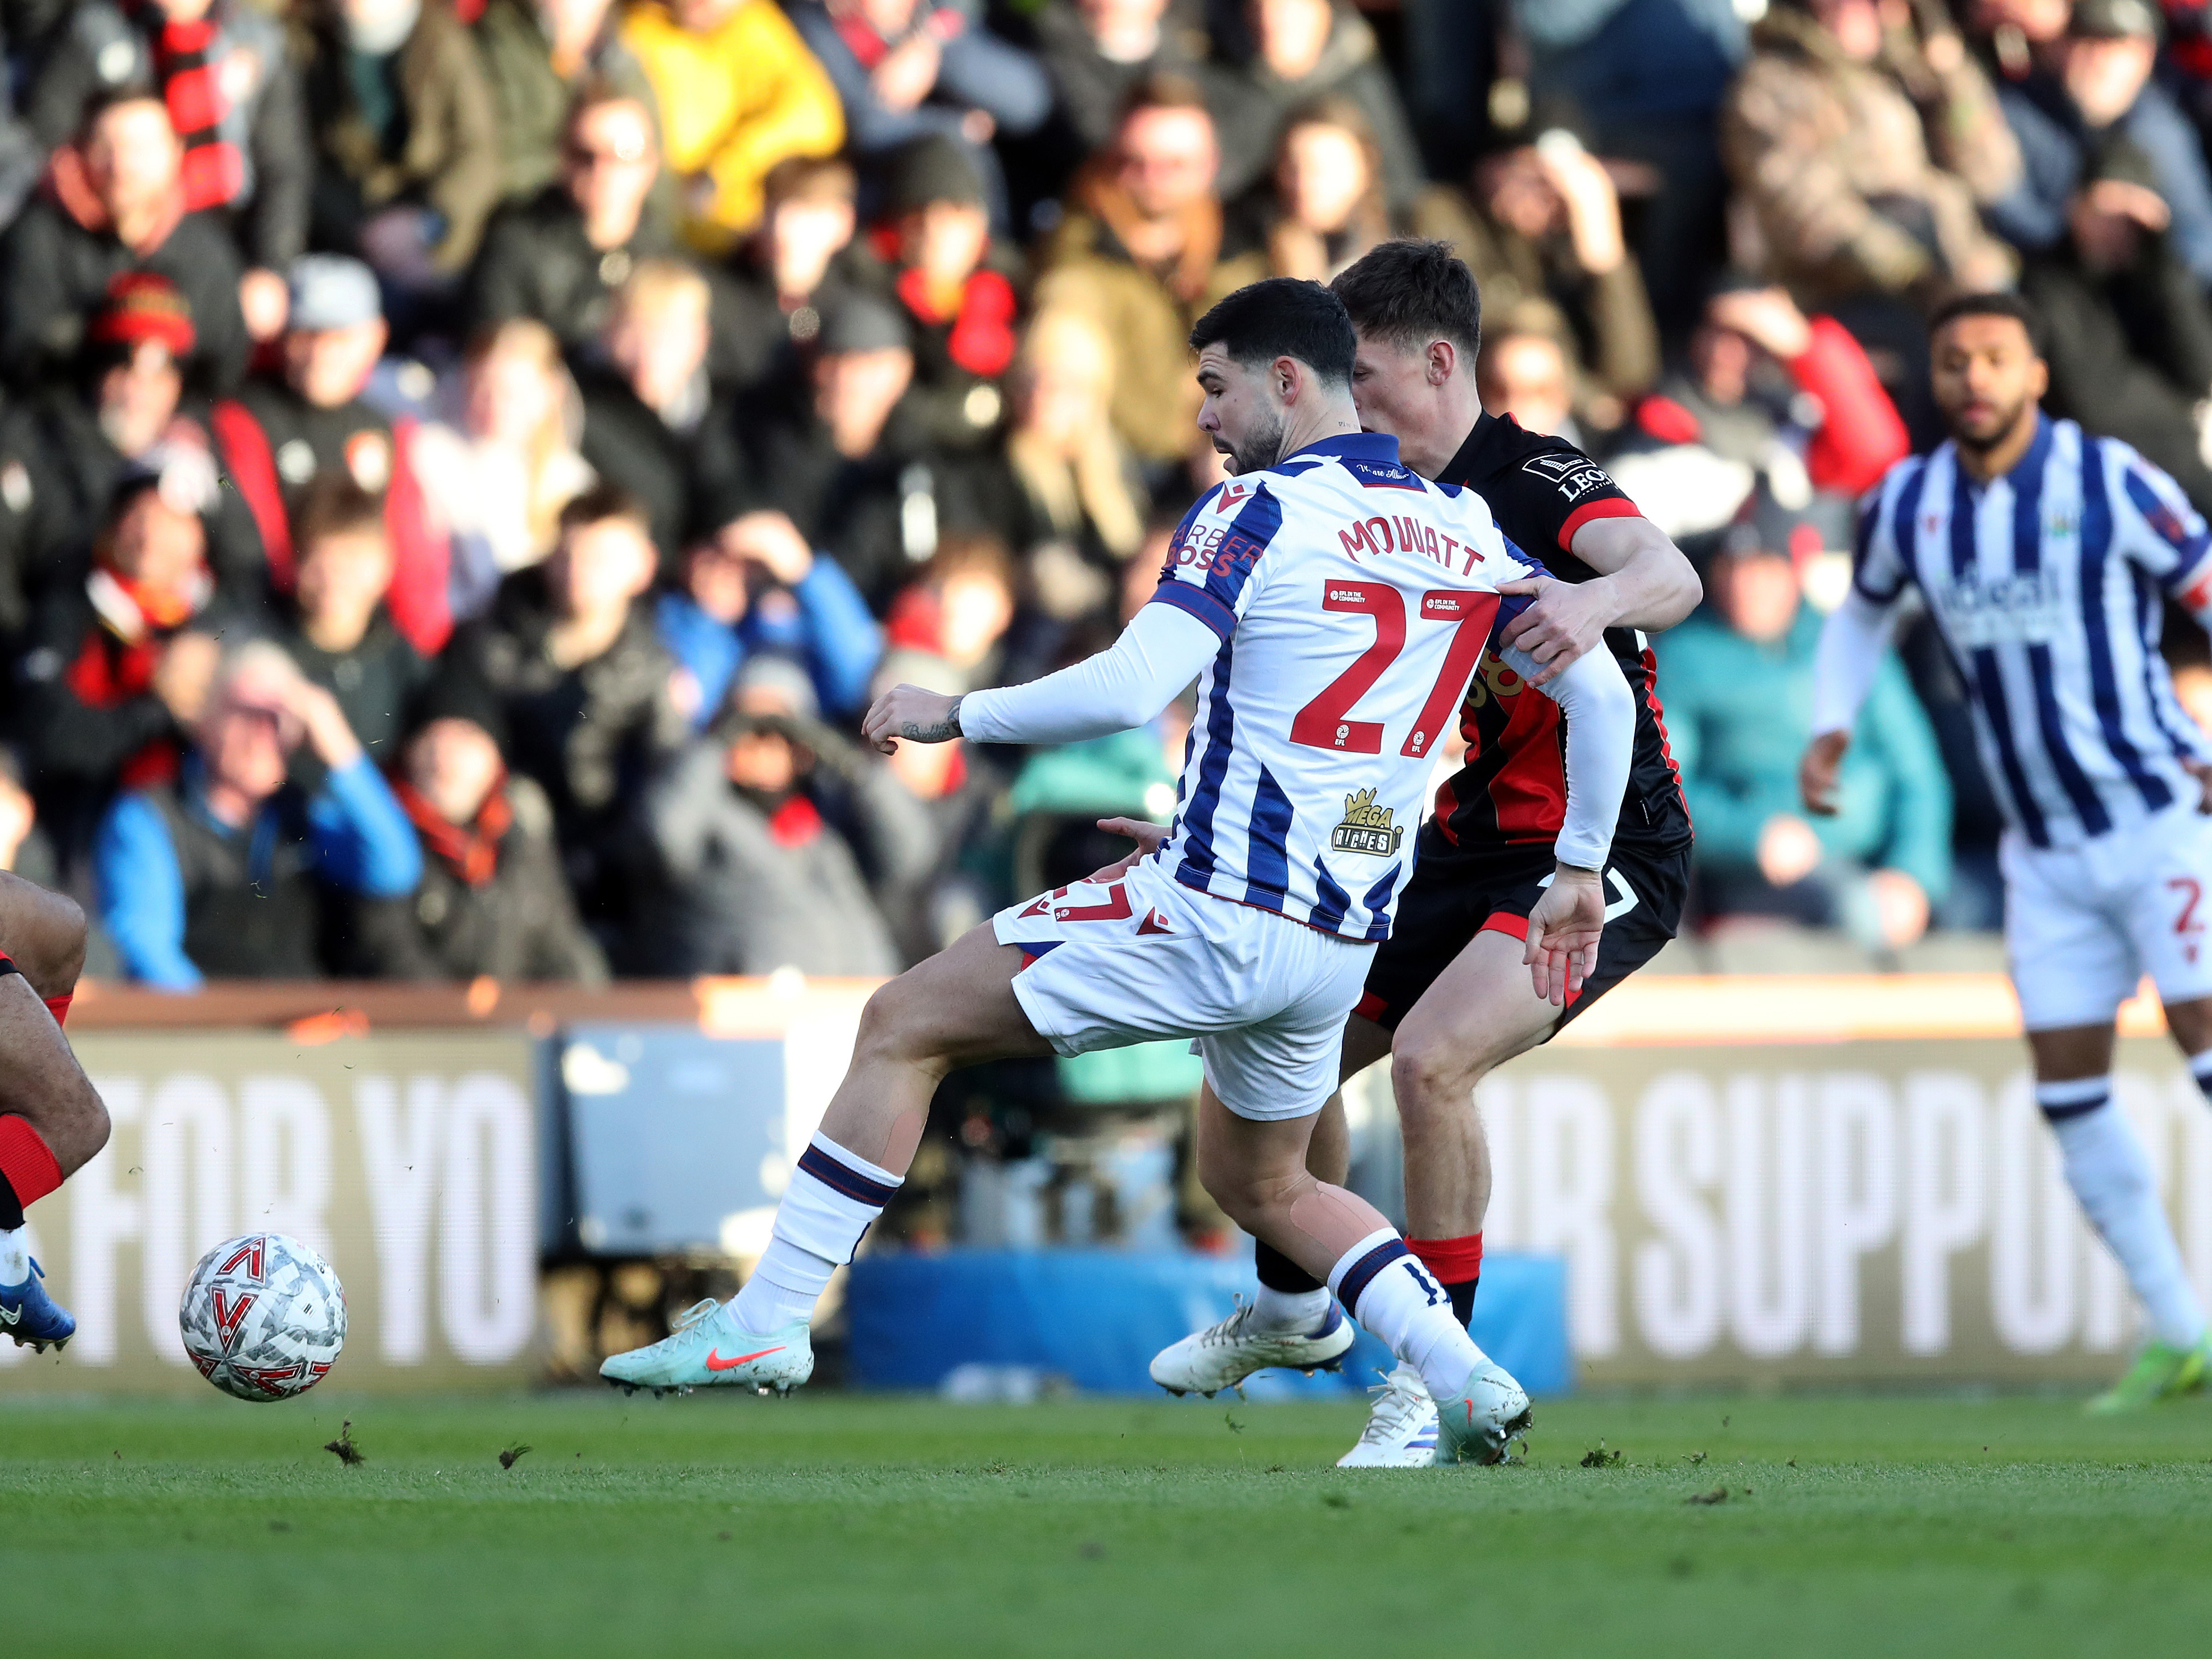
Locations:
{"points": [[1143, 957], [2084, 924]]}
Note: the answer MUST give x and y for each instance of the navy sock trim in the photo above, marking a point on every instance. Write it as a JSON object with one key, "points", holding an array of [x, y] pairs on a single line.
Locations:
{"points": [[842, 1178], [2072, 1109], [1358, 1277], [1462, 1298], [11, 1207]]}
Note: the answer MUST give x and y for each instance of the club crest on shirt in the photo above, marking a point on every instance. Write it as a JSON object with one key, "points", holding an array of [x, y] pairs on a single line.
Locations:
{"points": [[1366, 828]]}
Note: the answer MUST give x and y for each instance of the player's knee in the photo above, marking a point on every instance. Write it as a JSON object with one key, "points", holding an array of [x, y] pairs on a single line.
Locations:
{"points": [[1246, 1194], [1429, 1077]]}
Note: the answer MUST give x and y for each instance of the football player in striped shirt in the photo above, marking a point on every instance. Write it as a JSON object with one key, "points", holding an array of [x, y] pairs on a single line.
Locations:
{"points": [[2046, 557]]}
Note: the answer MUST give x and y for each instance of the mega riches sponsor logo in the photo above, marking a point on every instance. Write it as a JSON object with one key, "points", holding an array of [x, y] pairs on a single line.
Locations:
{"points": [[1367, 828]]}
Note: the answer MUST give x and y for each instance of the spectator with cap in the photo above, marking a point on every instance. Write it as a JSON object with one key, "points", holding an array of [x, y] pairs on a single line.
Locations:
{"points": [[1767, 397], [282, 431], [64, 450], [233, 93], [341, 635], [653, 422], [2091, 86], [739, 92], [1739, 677], [757, 585], [799, 263], [840, 452], [1543, 223], [492, 902], [406, 139], [906, 67], [569, 656], [1142, 251], [115, 202], [541, 59], [560, 255], [502, 463], [225, 872], [2127, 331], [960, 288], [1303, 50]]}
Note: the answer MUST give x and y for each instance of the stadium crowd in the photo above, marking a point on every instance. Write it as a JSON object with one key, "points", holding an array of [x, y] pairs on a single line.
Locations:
{"points": [[464, 464]]}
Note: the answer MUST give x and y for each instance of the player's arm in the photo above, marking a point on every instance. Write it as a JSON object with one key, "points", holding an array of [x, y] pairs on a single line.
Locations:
{"points": [[1852, 641], [1160, 651]]}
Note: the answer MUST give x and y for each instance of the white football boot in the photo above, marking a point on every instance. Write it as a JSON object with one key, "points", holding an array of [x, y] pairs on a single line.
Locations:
{"points": [[1401, 1426], [708, 1349], [1222, 1355], [1477, 1425]]}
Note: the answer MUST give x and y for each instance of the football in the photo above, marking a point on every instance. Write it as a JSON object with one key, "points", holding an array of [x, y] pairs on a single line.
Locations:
{"points": [[264, 1317]]}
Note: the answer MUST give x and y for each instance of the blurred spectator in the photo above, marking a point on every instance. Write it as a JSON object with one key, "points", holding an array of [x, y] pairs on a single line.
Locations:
{"points": [[792, 268], [571, 659], [1866, 153], [653, 423], [407, 142], [905, 68], [840, 453], [2091, 85], [959, 610], [1142, 252], [2129, 330], [1544, 224], [1324, 206], [234, 99], [541, 58], [756, 585], [933, 804], [279, 435], [739, 92], [752, 876], [560, 257], [1302, 50], [119, 663], [342, 637], [224, 873], [1523, 372], [64, 450], [115, 202], [1095, 51], [24, 848], [1739, 678], [1767, 396], [1067, 497], [959, 288], [497, 472], [492, 902]]}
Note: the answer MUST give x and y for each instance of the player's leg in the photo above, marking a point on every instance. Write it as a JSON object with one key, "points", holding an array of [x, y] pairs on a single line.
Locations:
{"points": [[956, 1009], [51, 1120]]}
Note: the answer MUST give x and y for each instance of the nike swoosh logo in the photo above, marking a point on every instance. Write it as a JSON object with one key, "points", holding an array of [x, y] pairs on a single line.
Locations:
{"points": [[716, 1363], [14, 1318]]}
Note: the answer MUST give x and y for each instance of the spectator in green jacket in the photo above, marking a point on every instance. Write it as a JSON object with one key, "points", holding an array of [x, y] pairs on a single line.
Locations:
{"points": [[1738, 682]]}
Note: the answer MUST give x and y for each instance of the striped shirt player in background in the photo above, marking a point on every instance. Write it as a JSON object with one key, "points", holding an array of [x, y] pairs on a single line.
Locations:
{"points": [[2046, 557], [52, 1121], [1447, 997], [1328, 670]]}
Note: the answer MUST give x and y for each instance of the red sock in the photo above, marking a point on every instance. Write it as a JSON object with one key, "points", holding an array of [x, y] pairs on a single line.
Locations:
{"points": [[26, 1163], [1457, 1265], [58, 1006]]}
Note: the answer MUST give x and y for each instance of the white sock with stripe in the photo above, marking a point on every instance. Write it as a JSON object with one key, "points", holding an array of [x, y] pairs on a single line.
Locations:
{"points": [[1388, 1290], [834, 1198], [15, 1255], [2112, 1179]]}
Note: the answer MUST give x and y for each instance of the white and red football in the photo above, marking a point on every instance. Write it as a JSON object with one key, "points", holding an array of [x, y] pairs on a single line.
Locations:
{"points": [[264, 1317]]}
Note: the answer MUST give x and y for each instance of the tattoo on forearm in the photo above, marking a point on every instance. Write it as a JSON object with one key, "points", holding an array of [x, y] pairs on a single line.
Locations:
{"points": [[942, 730]]}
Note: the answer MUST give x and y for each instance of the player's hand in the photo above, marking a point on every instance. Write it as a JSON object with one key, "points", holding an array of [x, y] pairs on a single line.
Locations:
{"points": [[1568, 619], [1563, 934], [769, 539], [1789, 849], [1818, 771], [1900, 905], [909, 712], [1148, 837]]}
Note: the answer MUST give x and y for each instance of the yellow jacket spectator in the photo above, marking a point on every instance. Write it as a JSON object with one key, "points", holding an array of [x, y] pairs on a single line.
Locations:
{"points": [[739, 92]]}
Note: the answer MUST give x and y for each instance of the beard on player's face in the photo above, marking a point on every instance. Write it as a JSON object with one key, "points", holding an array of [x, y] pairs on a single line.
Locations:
{"points": [[1983, 422], [1258, 447]]}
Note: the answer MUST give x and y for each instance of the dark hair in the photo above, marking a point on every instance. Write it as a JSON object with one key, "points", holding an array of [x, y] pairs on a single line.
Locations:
{"points": [[1990, 305], [1282, 317], [601, 503], [336, 506], [1408, 293], [1162, 90]]}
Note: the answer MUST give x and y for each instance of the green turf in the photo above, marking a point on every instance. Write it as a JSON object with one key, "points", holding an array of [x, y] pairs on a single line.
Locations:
{"points": [[843, 1525]]}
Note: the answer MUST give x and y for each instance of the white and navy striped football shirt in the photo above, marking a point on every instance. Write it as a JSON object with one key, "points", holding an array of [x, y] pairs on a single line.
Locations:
{"points": [[2047, 585]]}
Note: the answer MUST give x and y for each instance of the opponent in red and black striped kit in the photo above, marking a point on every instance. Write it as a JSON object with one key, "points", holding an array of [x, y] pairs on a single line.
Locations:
{"points": [[1485, 855]]}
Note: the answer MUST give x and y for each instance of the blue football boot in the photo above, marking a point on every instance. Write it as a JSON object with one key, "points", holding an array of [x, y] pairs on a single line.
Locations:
{"points": [[32, 1317]]}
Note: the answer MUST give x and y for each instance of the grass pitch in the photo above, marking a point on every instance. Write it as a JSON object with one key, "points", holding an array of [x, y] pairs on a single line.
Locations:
{"points": [[909, 1528]]}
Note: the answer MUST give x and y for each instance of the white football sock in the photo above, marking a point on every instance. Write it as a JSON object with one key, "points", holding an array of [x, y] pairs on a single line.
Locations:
{"points": [[833, 1197], [1289, 1310], [2105, 1167], [2200, 1067], [15, 1255], [1392, 1295]]}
